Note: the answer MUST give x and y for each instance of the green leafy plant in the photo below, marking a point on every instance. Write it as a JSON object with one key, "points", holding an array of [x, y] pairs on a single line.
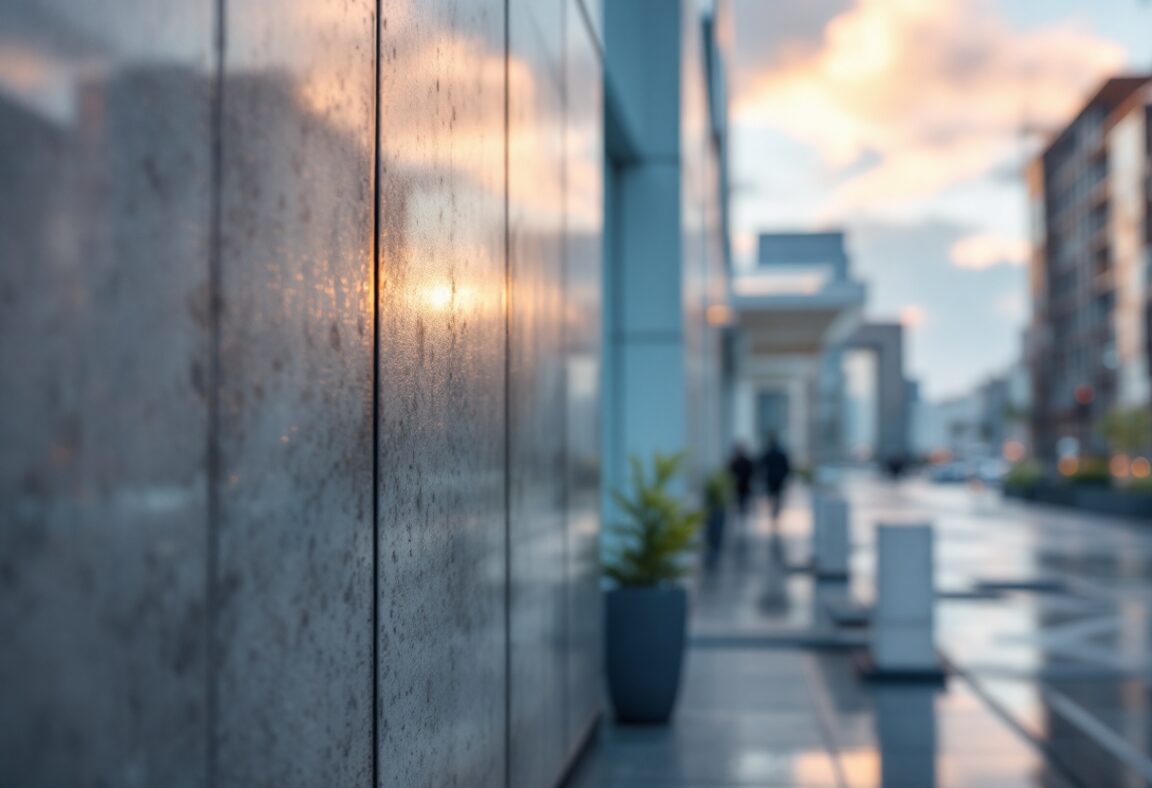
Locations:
{"points": [[657, 529], [1024, 475], [717, 490]]}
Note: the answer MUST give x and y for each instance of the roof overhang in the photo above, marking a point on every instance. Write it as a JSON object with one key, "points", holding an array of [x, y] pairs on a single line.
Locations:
{"points": [[808, 323]]}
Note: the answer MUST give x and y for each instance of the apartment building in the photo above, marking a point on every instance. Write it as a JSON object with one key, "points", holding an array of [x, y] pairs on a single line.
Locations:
{"points": [[1092, 238]]}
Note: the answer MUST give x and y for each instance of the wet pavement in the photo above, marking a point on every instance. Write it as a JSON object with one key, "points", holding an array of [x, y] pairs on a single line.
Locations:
{"points": [[1043, 614], [1068, 661]]}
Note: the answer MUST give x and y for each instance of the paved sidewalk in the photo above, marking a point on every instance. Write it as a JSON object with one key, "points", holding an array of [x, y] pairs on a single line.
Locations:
{"points": [[756, 711], [746, 717]]}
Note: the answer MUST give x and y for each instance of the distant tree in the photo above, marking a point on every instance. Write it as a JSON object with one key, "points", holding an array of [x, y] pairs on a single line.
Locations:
{"points": [[1127, 430], [1015, 414]]}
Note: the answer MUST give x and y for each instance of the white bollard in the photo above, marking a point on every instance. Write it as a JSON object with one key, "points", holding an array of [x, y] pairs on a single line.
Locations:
{"points": [[903, 639], [831, 542], [818, 496]]}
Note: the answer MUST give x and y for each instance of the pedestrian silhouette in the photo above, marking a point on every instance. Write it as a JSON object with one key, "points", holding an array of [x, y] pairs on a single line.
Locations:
{"points": [[776, 469], [741, 469]]}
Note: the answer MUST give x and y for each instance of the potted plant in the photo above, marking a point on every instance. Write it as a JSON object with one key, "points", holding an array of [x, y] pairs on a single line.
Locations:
{"points": [[647, 609], [717, 495]]}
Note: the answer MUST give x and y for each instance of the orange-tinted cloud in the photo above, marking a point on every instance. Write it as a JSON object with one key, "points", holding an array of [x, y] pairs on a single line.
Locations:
{"points": [[986, 250], [905, 97], [913, 316], [1012, 305]]}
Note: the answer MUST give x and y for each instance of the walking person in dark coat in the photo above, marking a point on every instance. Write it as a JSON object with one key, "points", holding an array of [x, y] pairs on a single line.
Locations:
{"points": [[741, 469], [776, 468]]}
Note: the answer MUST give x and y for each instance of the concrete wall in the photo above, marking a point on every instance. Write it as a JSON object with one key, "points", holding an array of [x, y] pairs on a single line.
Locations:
{"points": [[666, 248], [106, 358], [886, 340], [554, 207], [298, 482]]}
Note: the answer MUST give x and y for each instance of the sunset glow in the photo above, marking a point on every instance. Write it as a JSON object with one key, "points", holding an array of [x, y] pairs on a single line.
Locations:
{"points": [[898, 118]]}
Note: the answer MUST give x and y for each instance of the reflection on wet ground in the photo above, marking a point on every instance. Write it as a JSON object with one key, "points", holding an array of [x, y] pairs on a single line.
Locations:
{"points": [[1043, 614]]}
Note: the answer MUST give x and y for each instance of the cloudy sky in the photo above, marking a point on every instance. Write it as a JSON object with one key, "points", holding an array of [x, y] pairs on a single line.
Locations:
{"points": [[906, 122]]}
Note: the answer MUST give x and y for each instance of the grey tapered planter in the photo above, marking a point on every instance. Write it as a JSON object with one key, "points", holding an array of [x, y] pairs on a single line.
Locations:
{"points": [[714, 529], [644, 639]]}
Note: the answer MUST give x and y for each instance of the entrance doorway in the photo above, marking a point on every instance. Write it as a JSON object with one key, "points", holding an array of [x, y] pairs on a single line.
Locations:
{"points": [[772, 416]]}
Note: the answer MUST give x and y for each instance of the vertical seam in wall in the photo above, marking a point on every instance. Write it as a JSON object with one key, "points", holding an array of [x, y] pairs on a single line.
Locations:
{"points": [[619, 385], [212, 448], [565, 436], [507, 416], [375, 508]]}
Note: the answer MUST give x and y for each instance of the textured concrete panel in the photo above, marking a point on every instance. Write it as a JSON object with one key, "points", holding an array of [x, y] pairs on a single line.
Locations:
{"points": [[104, 231], [583, 280], [536, 393], [294, 573], [441, 388]]}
